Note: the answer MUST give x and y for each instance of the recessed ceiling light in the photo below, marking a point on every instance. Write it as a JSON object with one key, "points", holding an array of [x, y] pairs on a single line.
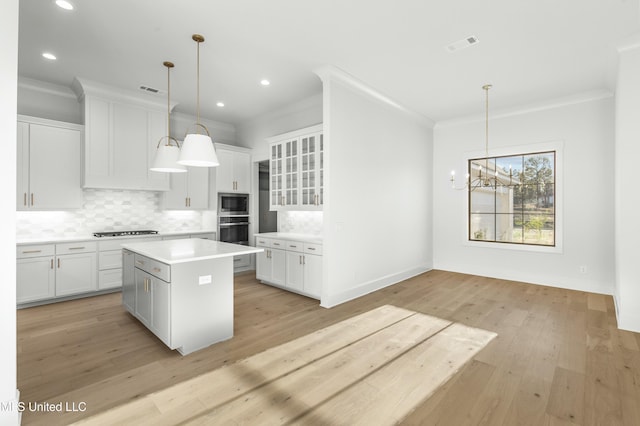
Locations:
{"points": [[265, 82], [220, 104], [64, 4], [49, 56]]}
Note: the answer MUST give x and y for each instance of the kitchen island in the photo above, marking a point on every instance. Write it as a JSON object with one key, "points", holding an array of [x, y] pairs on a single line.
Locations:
{"points": [[182, 290]]}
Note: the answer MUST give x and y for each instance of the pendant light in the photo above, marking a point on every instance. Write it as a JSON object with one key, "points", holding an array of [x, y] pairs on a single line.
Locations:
{"points": [[167, 154], [197, 149]]}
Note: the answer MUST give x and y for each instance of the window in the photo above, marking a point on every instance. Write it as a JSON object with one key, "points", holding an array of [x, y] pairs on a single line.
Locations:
{"points": [[512, 199]]}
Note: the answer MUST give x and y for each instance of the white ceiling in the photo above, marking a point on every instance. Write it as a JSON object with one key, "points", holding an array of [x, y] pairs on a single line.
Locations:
{"points": [[529, 50]]}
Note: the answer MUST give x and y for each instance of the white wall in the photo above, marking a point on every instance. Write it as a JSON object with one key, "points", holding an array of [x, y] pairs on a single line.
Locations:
{"points": [[627, 153], [377, 212], [585, 130], [299, 115], [8, 117]]}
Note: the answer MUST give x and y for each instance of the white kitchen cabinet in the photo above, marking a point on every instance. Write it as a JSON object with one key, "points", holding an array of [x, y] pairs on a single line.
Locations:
{"points": [[152, 304], [48, 155], [296, 178], [75, 268], [128, 281], [122, 130], [35, 273], [290, 264], [189, 191], [234, 172], [271, 263]]}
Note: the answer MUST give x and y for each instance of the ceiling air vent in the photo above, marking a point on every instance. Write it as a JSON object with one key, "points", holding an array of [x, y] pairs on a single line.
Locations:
{"points": [[151, 90], [462, 44]]}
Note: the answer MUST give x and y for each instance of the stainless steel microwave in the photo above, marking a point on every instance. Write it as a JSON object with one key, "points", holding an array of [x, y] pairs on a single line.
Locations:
{"points": [[233, 204]]}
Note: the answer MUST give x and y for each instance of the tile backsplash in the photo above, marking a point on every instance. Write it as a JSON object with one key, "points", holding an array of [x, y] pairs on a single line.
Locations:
{"points": [[300, 222], [107, 210]]}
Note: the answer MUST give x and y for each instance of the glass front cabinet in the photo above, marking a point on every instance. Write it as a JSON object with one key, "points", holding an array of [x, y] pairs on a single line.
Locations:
{"points": [[296, 177]]}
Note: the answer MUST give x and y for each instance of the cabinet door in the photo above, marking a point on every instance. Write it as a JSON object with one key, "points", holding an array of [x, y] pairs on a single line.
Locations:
{"points": [[160, 310], [313, 275], [75, 273], [35, 279], [278, 267], [242, 172], [128, 281], [309, 170], [54, 168], [176, 197], [143, 296], [263, 265], [295, 271], [198, 187], [22, 154], [291, 173], [224, 172], [276, 177]]}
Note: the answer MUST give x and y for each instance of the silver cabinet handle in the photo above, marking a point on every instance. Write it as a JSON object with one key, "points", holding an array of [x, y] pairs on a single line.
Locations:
{"points": [[51, 263], [157, 269], [311, 248], [300, 259], [25, 199], [32, 198], [76, 248], [304, 261], [58, 263], [139, 262], [31, 251]]}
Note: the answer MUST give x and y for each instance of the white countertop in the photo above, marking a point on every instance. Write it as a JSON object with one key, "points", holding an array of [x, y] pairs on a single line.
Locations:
{"points": [[290, 236], [90, 237], [188, 250]]}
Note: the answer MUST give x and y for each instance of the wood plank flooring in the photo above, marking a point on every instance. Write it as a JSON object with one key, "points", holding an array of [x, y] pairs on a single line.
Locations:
{"points": [[558, 358]]}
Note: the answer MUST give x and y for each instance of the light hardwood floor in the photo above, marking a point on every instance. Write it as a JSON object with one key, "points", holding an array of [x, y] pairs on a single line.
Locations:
{"points": [[558, 358]]}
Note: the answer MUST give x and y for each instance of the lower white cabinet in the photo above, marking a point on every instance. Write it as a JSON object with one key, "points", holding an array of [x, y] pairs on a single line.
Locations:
{"points": [[128, 281], [45, 271], [152, 304], [35, 279], [292, 265]]}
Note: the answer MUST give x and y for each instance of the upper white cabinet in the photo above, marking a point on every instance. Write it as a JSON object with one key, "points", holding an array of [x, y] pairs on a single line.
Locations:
{"points": [[234, 172], [189, 191], [48, 155], [122, 131], [296, 162]]}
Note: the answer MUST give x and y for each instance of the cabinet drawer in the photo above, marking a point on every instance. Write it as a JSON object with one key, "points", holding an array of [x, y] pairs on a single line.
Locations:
{"points": [[111, 259], [294, 246], [72, 248], [263, 242], [35, 250], [153, 267], [313, 248], [207, 236], [279, 244], [111, 278]]}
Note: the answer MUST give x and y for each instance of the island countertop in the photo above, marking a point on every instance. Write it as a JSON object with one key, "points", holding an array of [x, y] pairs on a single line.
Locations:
{"points": [[172, 252]]}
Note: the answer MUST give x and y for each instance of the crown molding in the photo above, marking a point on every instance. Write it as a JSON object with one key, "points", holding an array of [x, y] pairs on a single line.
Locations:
{"points": [[329, 73], [592, 95], [311, 102], [211, 124], [82, 87], [45, 87]]}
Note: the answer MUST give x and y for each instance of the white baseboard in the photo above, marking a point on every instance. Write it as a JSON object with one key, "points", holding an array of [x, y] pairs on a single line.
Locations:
{"points": [[371, 286]]}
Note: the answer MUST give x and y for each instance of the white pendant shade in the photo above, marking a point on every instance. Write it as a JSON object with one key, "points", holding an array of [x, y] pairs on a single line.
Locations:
{"points": [[198, 151], [167, 160]]}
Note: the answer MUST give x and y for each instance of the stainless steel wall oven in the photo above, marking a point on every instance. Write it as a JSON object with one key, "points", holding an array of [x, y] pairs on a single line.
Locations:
{"points": [[233, 218]]}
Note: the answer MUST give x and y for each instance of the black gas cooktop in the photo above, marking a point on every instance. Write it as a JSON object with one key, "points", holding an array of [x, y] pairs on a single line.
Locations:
{"points": [[123, 233]]}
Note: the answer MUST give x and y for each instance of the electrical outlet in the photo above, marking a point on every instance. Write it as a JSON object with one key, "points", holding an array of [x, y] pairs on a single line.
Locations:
{"points": [[583, 269], [204, 279]]}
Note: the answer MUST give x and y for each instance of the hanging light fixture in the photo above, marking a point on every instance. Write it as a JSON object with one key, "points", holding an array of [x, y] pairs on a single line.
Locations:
{"points": [[197, 149], [167, 154], [491, 176]]}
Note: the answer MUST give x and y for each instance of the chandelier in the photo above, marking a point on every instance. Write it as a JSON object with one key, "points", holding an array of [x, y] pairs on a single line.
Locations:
{"points": [[484, 172]]}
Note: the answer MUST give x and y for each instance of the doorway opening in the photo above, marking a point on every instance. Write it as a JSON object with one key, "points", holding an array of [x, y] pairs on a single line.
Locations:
{"points": [[268, 220]]}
